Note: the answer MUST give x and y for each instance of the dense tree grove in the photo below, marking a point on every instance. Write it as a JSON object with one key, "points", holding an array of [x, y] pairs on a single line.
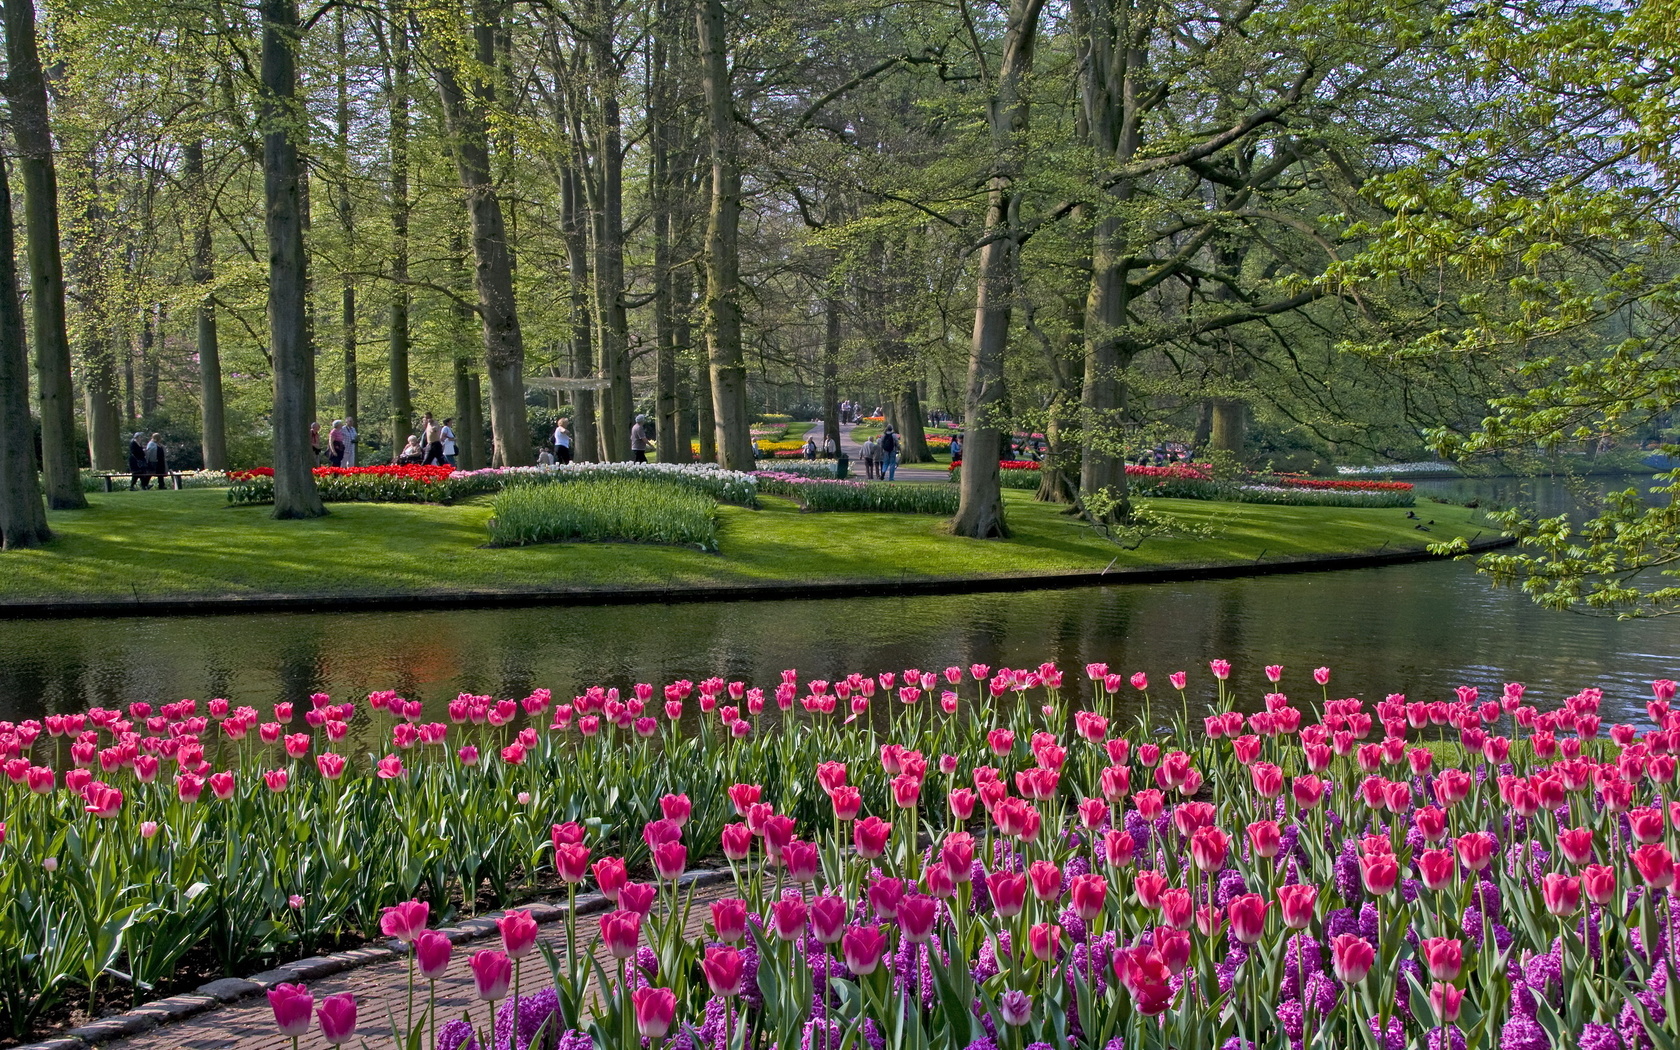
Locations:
{"points": [[1285, 232]]}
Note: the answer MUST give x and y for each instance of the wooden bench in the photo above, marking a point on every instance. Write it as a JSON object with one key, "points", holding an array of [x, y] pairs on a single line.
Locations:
{"points": [[110, 478]]}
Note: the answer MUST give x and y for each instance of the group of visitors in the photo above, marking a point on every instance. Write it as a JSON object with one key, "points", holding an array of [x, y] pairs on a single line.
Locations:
{"points": [[829, 449], [434, 445], [146, 460], [880, 456]]}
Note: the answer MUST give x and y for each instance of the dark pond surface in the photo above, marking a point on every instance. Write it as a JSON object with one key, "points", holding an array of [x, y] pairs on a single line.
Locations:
{"points": [[1418, 629]]}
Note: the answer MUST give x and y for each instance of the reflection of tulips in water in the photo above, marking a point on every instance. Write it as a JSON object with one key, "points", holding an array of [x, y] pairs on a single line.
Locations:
{"points": [[1310, 874]]}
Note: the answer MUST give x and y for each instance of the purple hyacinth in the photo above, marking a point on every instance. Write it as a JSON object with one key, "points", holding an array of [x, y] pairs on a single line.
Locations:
{"points": [[1453, 1038], [456, 1035], [539, 1014], [1598, 1037], [1229, 887], [1340, 921], [1293, 1016], [1523, 1033], [1322, 993], [1392, 1039]]}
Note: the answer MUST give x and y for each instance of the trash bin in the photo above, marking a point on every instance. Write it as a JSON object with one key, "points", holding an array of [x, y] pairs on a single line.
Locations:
{"points": [[841, 461]]}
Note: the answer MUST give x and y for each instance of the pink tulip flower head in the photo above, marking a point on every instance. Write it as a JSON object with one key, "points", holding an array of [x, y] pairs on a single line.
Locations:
{"points": [[519, 933], [432, 950], [492, 974], [723, 967], [655, 1009], [405, 921], [293, 1006], [337, 1014]]}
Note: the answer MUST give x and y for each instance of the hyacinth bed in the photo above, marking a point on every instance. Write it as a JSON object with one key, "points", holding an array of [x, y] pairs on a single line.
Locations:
{"points": [[967, 859], [815, 493]]}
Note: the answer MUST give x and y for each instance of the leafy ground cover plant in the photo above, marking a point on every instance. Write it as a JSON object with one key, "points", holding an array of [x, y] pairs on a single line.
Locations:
{"points": [[601, 509]]}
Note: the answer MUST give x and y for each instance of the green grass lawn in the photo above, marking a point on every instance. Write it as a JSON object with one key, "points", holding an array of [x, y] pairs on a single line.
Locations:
{"points": [[128, 545]]}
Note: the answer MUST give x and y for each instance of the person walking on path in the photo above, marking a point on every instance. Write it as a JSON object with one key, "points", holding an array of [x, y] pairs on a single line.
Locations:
{"points": [[431, 439], [350, 435], [639, 440], [562, 441], [137, 463], [870, 453], [889, 455], [447, 436], [335, 444], [315, 443], [156, 463]]}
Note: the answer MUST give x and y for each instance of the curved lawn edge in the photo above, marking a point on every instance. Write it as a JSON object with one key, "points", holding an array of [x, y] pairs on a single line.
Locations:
{"points": [[781, 590]]}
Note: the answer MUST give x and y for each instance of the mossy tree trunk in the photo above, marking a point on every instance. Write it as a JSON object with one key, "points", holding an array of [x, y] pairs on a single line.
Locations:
{"points": [[23, 514]]}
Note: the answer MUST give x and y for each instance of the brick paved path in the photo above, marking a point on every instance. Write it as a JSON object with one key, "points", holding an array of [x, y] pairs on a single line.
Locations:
{"points": [[381, 992]]}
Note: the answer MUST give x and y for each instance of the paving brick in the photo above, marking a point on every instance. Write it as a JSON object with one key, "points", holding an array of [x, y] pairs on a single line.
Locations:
{"points": [[228, 989]]}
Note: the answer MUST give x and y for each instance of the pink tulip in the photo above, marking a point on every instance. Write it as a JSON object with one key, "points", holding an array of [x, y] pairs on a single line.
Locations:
{"points": [[1445, 1000], [638, 897], [621, 932], [276, 780], [390, 768], [1296, 905], [655, 1009], [1045, 879], [1655, 865], [1442, 956], [737, 841], [788, 918], [337, 1014], [1209, 846], [610, 876], [1436, 868], [1008, 892], [723, 968], [519, 933], [405, 921], [1087, 894], [1351, 957], [571, 861], [916, 915], [870, 837], [729, 919], [492, 974], [1248, 917], [828, 919], [330, 765], [1264, 838], [292, 1005], [431, 954], [1562, 893], [1475, 850], [801, 860], [670, 860], [1045, 941], [862, 948], [1598, 881]]}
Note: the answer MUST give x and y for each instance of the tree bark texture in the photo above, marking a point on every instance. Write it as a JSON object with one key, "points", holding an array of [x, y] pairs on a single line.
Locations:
{"points": [[23, 514], [504, 341], [585, 434], [723, 268], [397, 340], [347, 225], [606, 226], [980, 509], [32, 128], [212, 404], [295, 494]]}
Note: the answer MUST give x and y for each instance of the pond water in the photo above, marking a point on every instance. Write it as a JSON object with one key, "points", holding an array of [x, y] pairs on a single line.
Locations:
{"points": [[1418, 629]]}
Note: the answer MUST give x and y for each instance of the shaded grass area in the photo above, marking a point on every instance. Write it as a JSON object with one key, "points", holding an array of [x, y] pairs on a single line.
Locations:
{"points": [[190, 543]]}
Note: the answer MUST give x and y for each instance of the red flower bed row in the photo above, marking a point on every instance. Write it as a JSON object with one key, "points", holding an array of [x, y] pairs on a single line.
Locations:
{"points": [[435, 472], [1299, 482]]}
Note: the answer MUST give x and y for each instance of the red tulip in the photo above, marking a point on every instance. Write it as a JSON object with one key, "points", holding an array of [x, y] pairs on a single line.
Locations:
{"points": [[1351, 957], [621, 932], [1145, 976], [337, 1014], [670, 860], [292, 1005], [431, 954], [610, 876], [1475, 850], [862, 948], [916, 915], [1296, 905], [492, 973], [1264, 838], [655, 1009]]}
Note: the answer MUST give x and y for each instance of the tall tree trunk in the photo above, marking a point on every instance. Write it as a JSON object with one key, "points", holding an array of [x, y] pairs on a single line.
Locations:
{"points": [[585, 438], [88, 262], [831, 370], [465, 441], [23, 514], [1229, 430], [147, 350], [26, 88], [723, 268], [213, 410], [606, 226], [295, 495], [475, 420], [980, 510], [347, 225], [504, 341], [912, 431], [662, 116], [402, 403]]}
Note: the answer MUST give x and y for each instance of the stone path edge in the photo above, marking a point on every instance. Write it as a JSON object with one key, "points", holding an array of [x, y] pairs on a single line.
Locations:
{"points": [[216, 993], [609, 595]]}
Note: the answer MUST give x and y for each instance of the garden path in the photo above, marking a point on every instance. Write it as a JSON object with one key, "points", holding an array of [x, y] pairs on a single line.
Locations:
{"points": [[852, 447], [381, 992]]}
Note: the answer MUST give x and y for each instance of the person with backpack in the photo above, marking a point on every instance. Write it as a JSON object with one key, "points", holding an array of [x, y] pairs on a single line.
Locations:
{"points": [[889, 455]]}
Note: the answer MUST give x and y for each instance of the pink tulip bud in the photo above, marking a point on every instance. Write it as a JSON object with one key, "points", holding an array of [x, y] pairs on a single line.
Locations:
{"points": [[519, 933], [337, 1015], [655, 1009], [492, 974], [431, 953], [292, 1005]]}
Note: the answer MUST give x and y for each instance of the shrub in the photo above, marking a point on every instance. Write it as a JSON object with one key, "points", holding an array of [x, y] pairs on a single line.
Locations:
{"points": [[636, 510], [884, 497]]}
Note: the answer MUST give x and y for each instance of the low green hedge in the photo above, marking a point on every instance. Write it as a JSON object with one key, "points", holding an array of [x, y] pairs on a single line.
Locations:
{"points": [[889, 497], [636, 510]]}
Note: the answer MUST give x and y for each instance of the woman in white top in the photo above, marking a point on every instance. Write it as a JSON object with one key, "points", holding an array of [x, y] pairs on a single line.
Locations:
{"points": [[450, 449], [563, 442]]}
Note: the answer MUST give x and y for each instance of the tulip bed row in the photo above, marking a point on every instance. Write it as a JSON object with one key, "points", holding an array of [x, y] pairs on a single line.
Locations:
{"points": [[960, 859]]}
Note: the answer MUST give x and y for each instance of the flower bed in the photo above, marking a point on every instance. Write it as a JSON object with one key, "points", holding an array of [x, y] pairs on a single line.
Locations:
{"points": [[1300, 481], [1294, 496], [1188, 481], [809, 468], [444, 484], [598, 509], [1273, 863], [816, 494]]}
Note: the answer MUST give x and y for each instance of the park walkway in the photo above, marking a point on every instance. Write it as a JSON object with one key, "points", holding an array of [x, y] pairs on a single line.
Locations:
{"points": [[381, 991], [852, 448]]}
